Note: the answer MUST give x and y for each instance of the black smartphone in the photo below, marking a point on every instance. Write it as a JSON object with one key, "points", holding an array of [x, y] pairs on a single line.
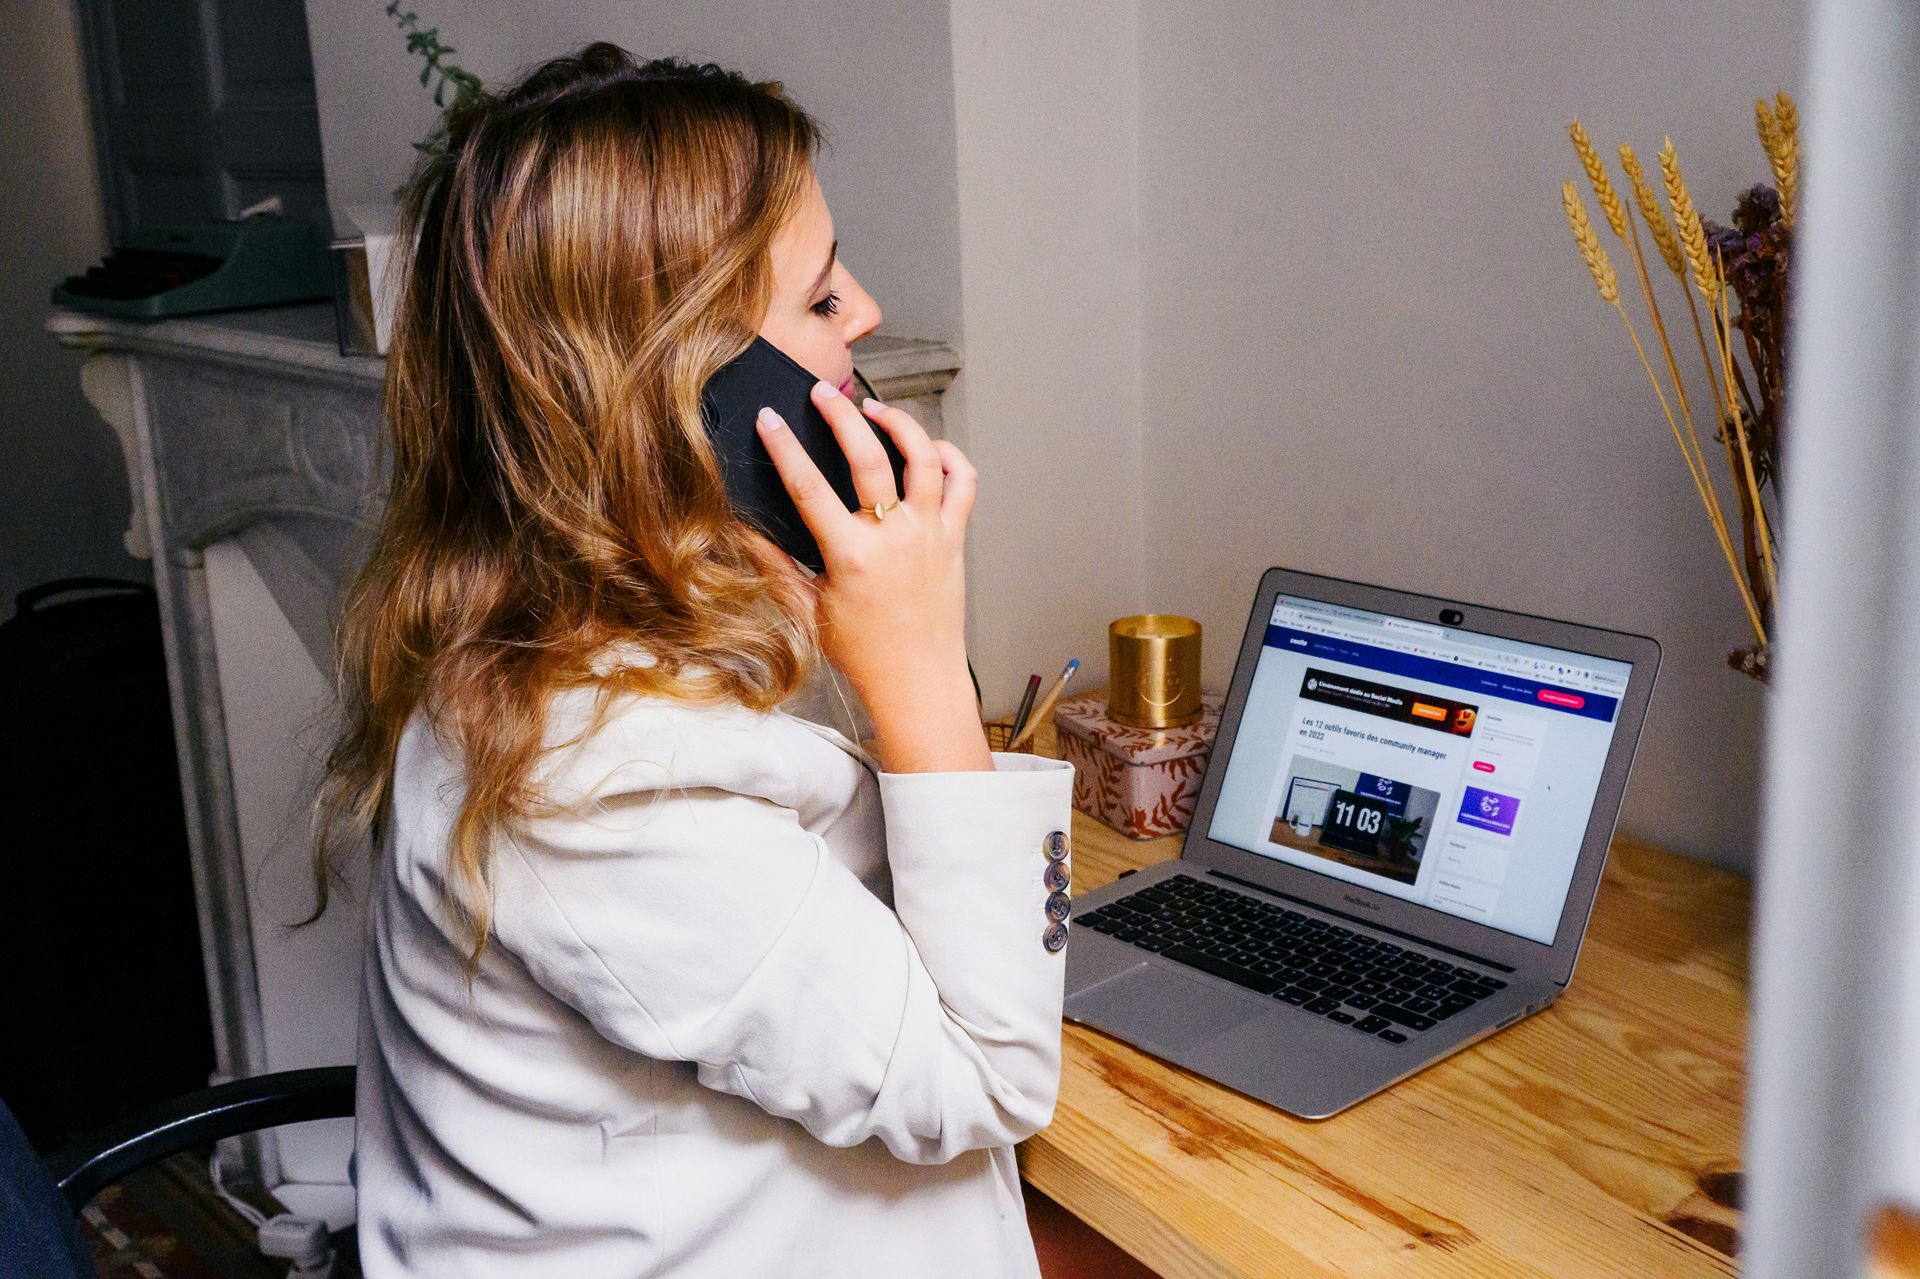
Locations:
{"points": [[765, 376]]}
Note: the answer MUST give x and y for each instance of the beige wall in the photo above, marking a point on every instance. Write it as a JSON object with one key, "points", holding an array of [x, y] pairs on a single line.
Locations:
{"points": [[877, 75], [1370, 350], [63, 486], [1048, 405]]}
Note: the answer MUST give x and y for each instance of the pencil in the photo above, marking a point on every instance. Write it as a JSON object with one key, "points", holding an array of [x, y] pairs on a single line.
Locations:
{"points": [[1026, 704], [1046, 705]]}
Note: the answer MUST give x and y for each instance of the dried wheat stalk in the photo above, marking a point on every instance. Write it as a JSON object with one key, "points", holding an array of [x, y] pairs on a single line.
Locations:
{"points": [[1779, 128], [1597, 176], [1669, 246], [1605, 280], [1598, 264], [1657, 224], [1679, 234], [1693, 234]]}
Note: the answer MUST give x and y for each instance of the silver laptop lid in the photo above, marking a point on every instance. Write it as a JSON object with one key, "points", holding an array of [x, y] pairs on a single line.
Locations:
{"points": [[1446, 770]]}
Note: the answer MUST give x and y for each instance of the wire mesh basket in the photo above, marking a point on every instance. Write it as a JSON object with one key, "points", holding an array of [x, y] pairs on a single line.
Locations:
{"points": [[1000, 732]]}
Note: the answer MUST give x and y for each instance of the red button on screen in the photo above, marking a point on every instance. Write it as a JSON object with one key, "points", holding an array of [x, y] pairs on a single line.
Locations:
{"points": [[1483, 766], [1555, 697]]}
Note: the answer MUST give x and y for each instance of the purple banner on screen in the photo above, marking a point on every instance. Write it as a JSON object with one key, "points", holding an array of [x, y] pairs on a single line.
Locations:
{"points": [[1488, 811]]}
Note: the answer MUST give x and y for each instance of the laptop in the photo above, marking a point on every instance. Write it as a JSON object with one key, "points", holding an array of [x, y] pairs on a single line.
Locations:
{"points": [[1394, 852]]}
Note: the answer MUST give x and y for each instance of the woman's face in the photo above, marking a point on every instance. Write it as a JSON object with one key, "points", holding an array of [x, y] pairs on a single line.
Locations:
{"points": [[818, 308]]}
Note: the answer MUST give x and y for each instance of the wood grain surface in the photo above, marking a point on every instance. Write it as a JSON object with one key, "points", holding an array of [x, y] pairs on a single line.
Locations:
{"points": [[1600, 1137]]}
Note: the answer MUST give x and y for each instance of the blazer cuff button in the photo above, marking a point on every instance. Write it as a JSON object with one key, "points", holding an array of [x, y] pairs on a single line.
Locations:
{"points": [[1057, 876], [1055, 938], [1059, 906], [1056, 846]]}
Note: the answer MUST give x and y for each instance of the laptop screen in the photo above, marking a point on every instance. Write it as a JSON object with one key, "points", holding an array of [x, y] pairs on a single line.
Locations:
{"points": [[1453, 769]]}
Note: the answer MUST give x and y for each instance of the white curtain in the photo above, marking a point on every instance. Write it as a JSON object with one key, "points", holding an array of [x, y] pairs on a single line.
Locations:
{"points": [[1833, 1127]]}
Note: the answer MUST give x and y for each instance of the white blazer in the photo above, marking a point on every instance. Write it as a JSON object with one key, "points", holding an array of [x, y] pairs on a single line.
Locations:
{"points": [[751, 1007]]}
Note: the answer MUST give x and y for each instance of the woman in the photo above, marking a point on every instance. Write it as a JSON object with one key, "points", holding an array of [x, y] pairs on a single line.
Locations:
{"points": [[663, 979]]}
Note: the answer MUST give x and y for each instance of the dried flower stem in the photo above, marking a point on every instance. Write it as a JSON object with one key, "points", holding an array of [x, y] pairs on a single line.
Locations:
{"points": [[1664, 238], [1706, 276], [1668, 244], [1624, 228], [1711, 283], [1702, 483], [1738, 427], [1660, 330]]}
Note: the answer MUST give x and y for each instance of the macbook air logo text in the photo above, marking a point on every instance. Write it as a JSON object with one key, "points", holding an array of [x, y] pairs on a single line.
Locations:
{"points": [[1359, 901]]}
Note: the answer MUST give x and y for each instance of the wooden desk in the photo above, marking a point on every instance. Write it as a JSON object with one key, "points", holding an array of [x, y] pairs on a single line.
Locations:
{"points": [[1600, 1137]]}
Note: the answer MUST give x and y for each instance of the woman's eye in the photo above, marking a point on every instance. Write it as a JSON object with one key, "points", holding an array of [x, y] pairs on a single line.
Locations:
{"points": [[829, 306]]}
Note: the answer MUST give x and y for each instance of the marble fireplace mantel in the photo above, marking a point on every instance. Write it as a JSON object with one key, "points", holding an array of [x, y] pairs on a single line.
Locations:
{"points": [[252, 452]]}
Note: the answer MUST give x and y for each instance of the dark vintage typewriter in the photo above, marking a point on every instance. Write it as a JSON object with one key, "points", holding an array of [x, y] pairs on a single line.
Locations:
{"points": [[215, 266]]}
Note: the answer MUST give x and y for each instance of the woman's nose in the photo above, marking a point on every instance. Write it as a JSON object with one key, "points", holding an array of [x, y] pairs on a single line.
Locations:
{"points": [[862, 312]]}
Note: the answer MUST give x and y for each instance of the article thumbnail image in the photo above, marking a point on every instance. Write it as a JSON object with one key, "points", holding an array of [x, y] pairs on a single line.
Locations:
{"points": [[1357, 819]]}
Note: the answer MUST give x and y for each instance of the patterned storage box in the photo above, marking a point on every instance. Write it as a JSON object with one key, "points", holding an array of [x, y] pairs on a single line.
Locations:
{"points": [[1141, 781]]}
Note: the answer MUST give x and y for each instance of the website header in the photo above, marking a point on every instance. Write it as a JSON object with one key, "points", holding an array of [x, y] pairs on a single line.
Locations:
{"points": [[1480, 679]]}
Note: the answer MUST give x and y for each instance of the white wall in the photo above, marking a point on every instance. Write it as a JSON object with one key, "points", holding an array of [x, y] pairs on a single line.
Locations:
{"points": [[1370, 349], [1048, 405], [63, 486], [877, 76]]}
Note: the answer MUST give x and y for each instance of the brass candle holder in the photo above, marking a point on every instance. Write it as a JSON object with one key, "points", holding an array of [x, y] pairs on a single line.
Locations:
{"points": [[1154, 665]]}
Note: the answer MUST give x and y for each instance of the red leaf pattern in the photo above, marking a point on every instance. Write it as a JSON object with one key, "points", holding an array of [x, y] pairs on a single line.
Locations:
{"points": [[1140, 798]]}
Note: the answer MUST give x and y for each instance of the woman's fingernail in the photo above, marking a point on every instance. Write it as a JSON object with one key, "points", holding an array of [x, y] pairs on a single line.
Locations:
{"points": [[870, 404], [826, 386], [769, 420]]}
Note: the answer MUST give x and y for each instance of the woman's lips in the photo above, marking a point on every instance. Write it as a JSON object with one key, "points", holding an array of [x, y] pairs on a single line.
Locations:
{"points": [[846, 388]]}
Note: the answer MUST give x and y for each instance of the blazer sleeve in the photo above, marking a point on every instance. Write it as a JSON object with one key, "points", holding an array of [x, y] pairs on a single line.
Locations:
{"points": [[683, 908]]}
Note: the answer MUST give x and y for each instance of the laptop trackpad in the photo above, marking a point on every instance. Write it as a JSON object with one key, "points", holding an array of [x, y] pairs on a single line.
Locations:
{"points": [[1157, 1007]]}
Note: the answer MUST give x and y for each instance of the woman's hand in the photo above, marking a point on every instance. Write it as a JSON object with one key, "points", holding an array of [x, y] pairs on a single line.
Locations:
{"points": [[892, 602]]}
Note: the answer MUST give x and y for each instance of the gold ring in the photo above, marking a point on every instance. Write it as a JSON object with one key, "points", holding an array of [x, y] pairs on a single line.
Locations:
{"points": [[879, 511]]}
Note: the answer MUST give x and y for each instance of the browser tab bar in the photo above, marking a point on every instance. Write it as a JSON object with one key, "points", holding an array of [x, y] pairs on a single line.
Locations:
{"points": [[1423, 639]]}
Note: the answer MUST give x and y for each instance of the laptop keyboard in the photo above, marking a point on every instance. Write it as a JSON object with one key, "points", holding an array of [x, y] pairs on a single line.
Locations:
{"points": [[1351, 978]]}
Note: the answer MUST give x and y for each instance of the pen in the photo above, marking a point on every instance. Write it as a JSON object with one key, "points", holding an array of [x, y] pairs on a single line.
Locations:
{"points": [[1026, 704], [1046, 705]]}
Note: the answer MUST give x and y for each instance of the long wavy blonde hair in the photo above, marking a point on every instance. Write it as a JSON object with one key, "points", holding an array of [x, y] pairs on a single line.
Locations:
{"points": [[587, 248]]}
